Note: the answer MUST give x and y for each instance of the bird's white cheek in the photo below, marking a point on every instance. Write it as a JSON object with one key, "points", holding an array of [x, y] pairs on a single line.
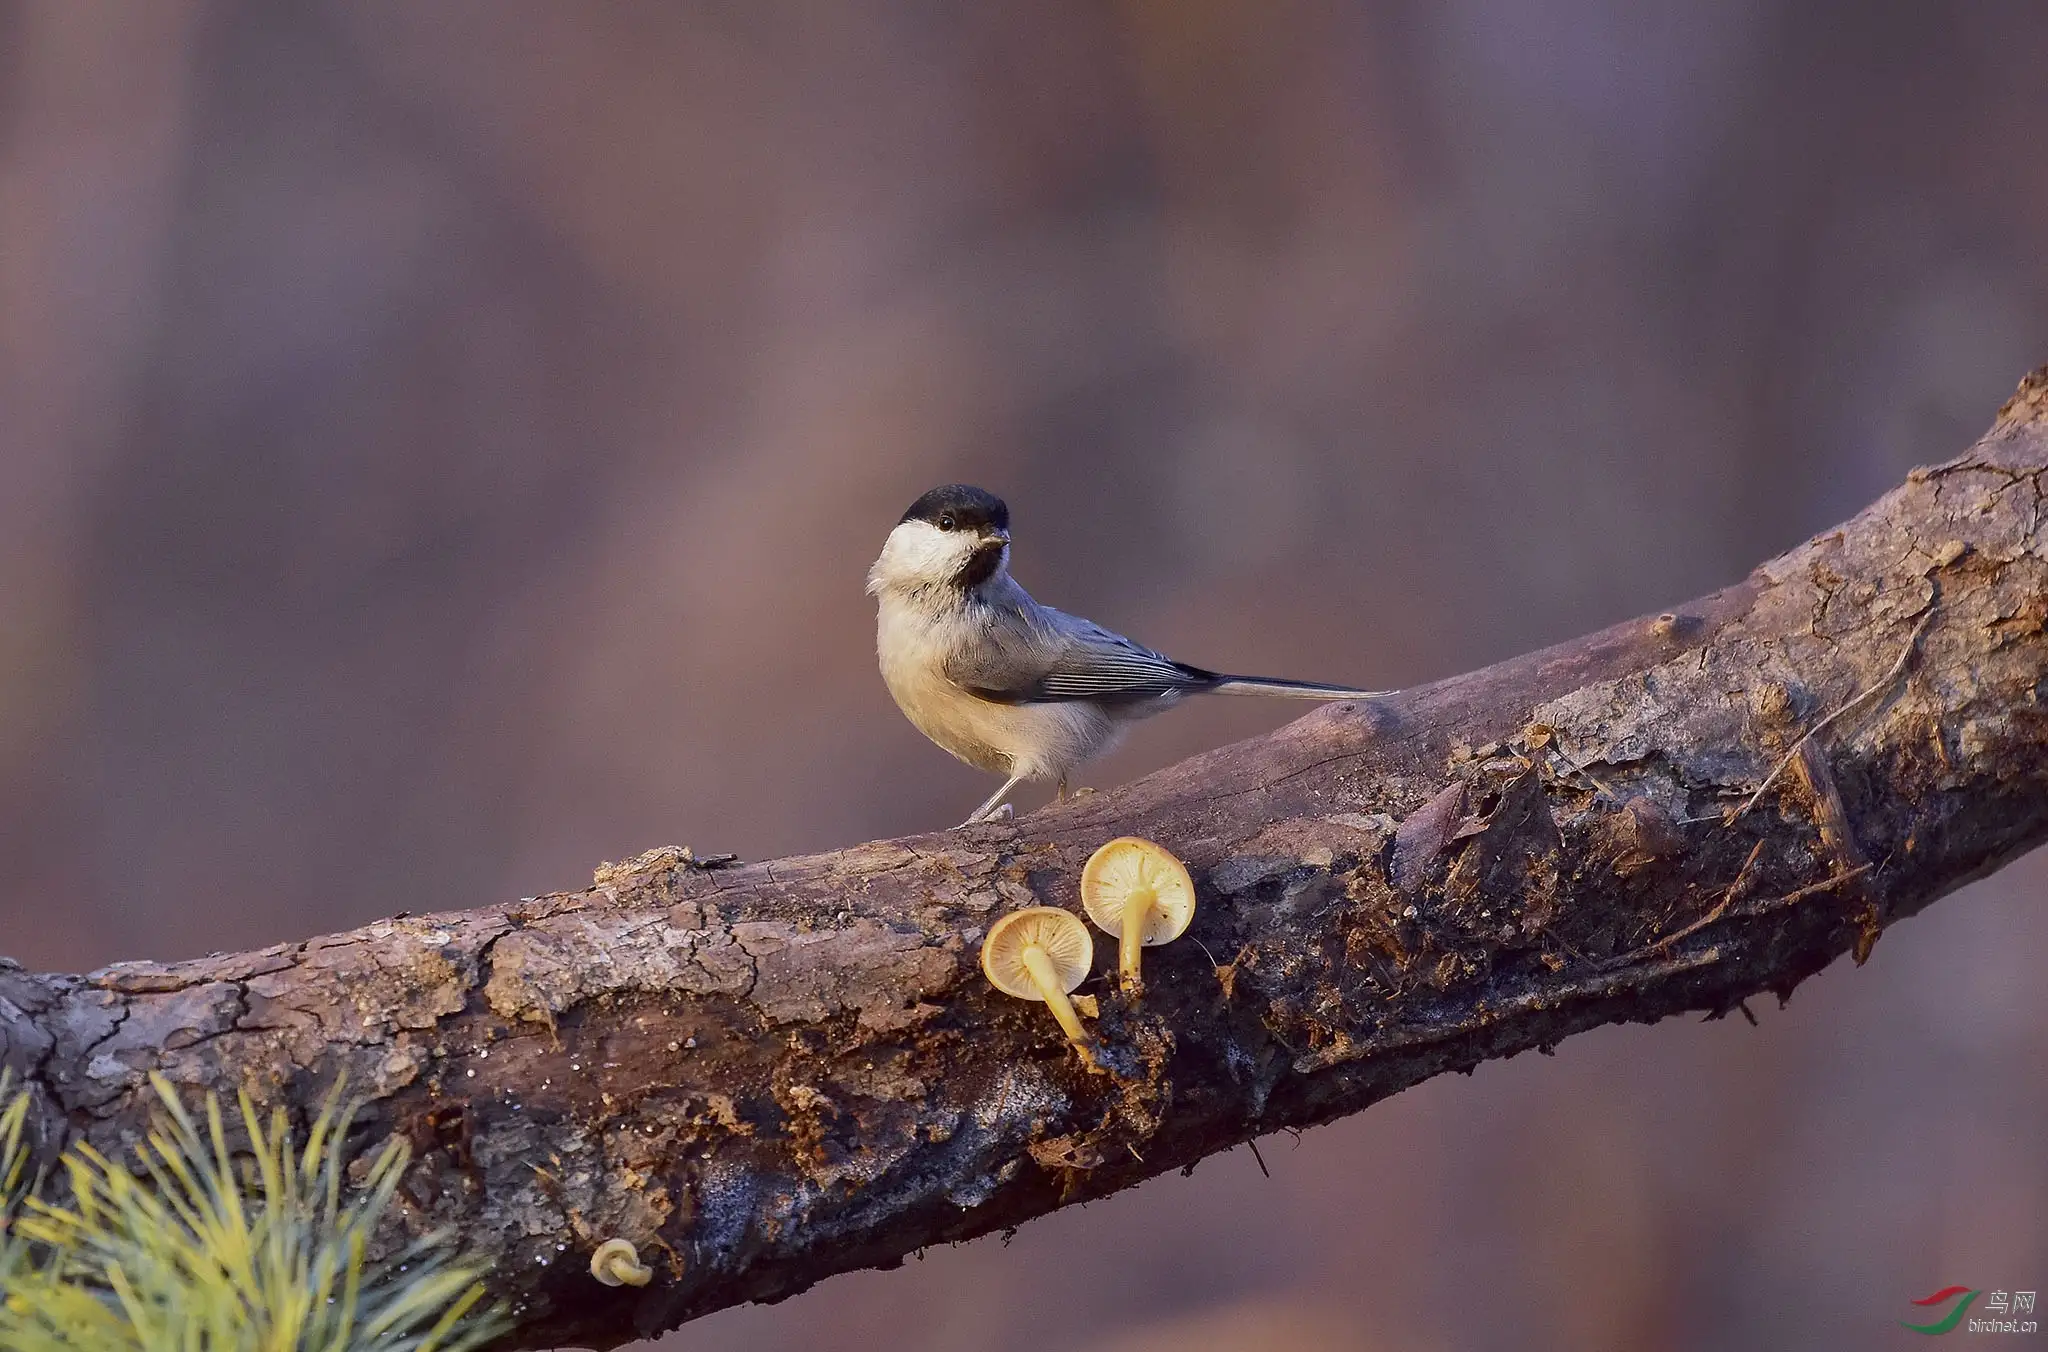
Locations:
{"points": [[918, 554]]}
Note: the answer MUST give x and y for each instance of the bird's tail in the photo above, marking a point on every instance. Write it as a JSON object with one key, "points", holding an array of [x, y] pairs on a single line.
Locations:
{"points": [[1256, 685]]}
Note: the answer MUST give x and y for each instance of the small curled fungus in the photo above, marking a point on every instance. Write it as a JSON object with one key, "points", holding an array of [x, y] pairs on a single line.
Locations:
{"points": [[617, 1263]]}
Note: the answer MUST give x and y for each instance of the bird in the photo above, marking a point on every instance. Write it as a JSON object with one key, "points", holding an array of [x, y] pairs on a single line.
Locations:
{"points": [[1006, 684]]}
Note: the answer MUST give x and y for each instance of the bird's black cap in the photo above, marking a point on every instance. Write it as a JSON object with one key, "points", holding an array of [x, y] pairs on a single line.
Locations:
{"points": [[969, 507]]}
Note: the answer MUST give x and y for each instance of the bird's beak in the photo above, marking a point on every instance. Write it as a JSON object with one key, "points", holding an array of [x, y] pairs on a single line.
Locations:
{"points": [[986, 558]]}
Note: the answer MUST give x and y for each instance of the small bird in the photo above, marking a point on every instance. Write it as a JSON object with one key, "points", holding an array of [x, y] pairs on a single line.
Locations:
{"points": [[1002, 682]]}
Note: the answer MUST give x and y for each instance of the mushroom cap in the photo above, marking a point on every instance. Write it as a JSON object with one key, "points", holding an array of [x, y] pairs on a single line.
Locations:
{"points": [[1062, 935], [1126, 864]]}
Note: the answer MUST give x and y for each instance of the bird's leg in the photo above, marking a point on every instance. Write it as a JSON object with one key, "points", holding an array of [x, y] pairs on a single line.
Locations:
{"points": [[1067, 795], [1059, 795], [995, 800]]}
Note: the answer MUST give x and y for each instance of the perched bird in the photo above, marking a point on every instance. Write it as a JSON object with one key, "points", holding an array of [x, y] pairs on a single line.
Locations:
{"points": [[1002, 682]]}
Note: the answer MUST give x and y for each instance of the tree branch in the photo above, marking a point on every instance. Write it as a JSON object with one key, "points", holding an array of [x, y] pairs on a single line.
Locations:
{"points": [[765, 1074]]}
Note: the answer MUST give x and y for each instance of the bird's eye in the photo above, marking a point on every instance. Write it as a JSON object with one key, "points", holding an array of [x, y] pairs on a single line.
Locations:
{"points": [[947, 522]]}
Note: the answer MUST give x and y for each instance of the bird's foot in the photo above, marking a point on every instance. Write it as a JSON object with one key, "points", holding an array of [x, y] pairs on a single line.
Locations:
{"points": [[1001, 813], [1075, 795]]}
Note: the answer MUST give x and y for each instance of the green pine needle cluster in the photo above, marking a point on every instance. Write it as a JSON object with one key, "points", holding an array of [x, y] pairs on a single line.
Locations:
{"points": [[200, 1248]]}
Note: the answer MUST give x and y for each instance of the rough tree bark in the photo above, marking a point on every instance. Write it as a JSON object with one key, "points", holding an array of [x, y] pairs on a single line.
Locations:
{"points": [[764, 1074]]}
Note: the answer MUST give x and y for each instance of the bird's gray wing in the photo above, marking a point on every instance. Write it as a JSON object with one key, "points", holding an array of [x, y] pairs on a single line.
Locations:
{"points": [[1069, 658]]}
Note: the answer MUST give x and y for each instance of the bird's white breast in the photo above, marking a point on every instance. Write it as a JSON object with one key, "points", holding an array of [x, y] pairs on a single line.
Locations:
{"points": [[1039, 741]]}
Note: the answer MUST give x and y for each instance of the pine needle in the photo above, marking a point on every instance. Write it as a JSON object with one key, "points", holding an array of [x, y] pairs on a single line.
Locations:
{"points": [[206, 1247]]}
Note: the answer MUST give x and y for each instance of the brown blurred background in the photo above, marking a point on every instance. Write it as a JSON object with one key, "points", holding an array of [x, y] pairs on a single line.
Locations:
{"points": [[440, 446]]}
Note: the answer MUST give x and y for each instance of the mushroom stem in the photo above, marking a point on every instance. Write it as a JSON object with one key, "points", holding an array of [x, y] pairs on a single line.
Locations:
{"points": [[1137, 910], [1040, 966]]}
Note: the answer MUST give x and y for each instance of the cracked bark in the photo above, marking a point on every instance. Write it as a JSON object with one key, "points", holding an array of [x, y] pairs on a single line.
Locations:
{"points": [[763, 1075]]}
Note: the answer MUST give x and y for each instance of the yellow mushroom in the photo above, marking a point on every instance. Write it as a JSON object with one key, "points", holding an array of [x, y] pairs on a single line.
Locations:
{"points": [[1139, 893], [617, 1263], [1041, 954]]}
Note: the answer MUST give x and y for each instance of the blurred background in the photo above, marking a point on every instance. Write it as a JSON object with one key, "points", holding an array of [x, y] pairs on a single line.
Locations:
{"points": [[441, 444]]}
